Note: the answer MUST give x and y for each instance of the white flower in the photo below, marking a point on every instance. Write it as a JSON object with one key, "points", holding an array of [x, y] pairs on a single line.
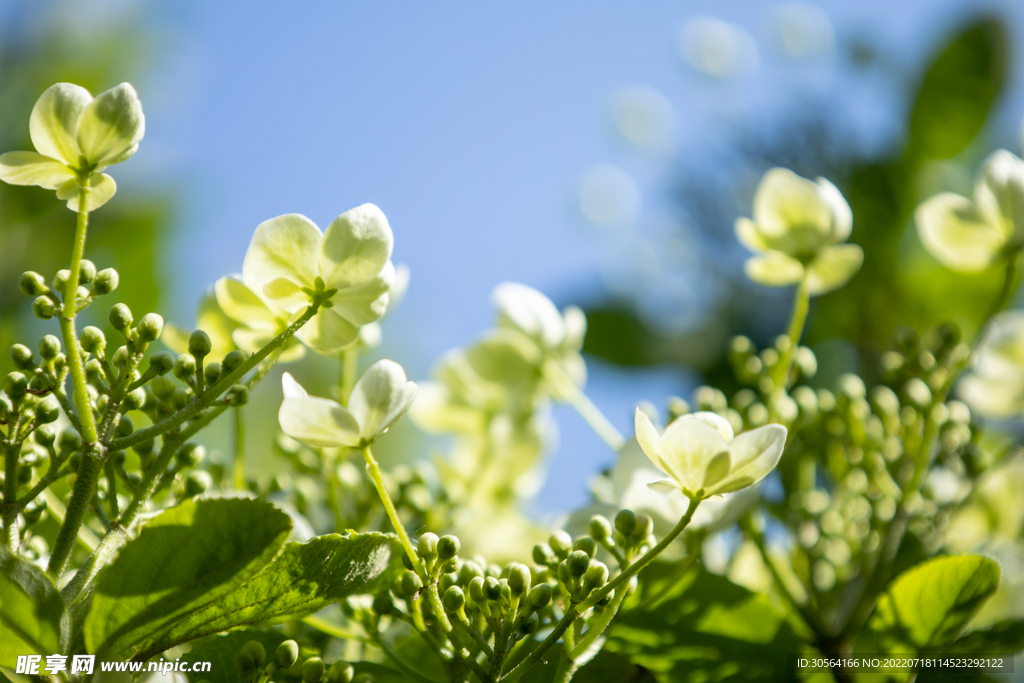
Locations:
{"points": [[290, 261], [968, 236], [76, 137], [701, 456], [380, 397], [995, 386], [797, 232]]}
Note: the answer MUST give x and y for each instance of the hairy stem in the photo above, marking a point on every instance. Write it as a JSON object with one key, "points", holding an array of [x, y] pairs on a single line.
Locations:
{"points": [[10, 516]]}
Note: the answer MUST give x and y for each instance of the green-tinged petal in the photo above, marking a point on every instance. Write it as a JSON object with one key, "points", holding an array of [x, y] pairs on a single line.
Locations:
{"points": [[667, 488], [327, 332], [717, 422], [317, 422], [527, 310], [773, 268], [506, 357], [833, 268], [29, 168], [283, 248], [790, 212], [998, 398], [366, 301], [842, 215], [955, 233], [355, 247], [575, 327], [436, 410], [747, 234], [648, 438], [54, 119], [101, 188], [242, 305], [689, 447], [754, 455], [380, 397], [999, 193], [110, 126]]}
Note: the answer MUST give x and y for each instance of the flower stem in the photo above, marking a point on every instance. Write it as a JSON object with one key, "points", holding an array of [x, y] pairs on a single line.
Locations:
{"points": [[801, 302], [594, 417], [10, 506], [239, 438]]}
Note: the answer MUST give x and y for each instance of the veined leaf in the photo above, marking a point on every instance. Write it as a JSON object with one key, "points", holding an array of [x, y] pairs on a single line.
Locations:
{"points": [[31, 610]]}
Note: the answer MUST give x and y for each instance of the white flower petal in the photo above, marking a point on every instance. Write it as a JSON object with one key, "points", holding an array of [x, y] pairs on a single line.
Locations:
{"points": [[242, 304], [774, 269], [366, 301], [842, 215], [527, 310], [54, 119], [30, 168], [791, 212], [747, 234], [667, 488], [648, 438], [380, 397], [688, 447], [999, 192], [717, 422], [575, 327], [101, 188], [754, 455], [955, 233], [283, 248], [110, 126], [833, 268], [327, 332], [355, 247], [317, 422]]}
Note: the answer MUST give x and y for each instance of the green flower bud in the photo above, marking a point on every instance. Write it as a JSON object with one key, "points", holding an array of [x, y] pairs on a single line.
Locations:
{"points": [[45, 435], [118, 457], [601, 529], [287, 654], [586, 544], [15, 385], [49, 347], [211, 371], [185, 367], [561, 543], [411, 584], [199, 344], [120, 357], [255, 650], [578, 562], [32, 284], [93, 341], [340, 672], [86, 271], [144, 448], [34, 515], [120, 317], [454, 599], [197, 482], [447, 580], [134, 400], [476, 589], [563, 573], [106, 281], [238, 395], [529, 625], [492, 588], [448, 547], [543, 555], [150, 327], [161, 362], [48, 410], [69, 440], [244, 665], [539, 596], [163, 387], [190, 455], [22, 358], [426, 546], [232, 362], [74, 461], [44, 308], [124, 426], [519, 579], [60, 280], [383, 604], [644, 527], [469, 571], [406, 562], [625, 522], [24, 475], [313, 670], [596, 574], [5, 406]]}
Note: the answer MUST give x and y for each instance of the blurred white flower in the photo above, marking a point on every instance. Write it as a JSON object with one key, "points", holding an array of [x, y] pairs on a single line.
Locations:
{"points": [[609, 197], [717, 48], [644, 117], [995, 386], [802, 30]]}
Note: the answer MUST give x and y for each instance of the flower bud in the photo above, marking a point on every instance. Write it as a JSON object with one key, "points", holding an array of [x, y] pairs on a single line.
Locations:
{"points": [[163, 387], [49, 347], [5, 406], [411, 584], [586, 544], [134, 400], [625, 522], [561, 543], [340, 672], [93, 341], [244, 665], [74, 461], [93, 372], [476, 589], [596, 574], [543, 555], [578, 562], [492, 588], [426, 546], [32, 284], [60, 280], [118, 458], [237, 395], [106, 281], [287, 654], [44, 435], [211, 371], [448, 547], [69, 440], [185, 367], [231, 362], [539, 596], [448, 579], [644, 527], [600, 529], [15, 385], [161, 362], [197, 482], [21, 357], [255, 650], [144, 448], [199, 344], [313, 670], [120, 357], [86, 271], [519, 579], [563, 573], [48, 410], [120, 317], [150, 327], [44, 308], [454, 599], [190, 455], [124, 426], [469, 571]]}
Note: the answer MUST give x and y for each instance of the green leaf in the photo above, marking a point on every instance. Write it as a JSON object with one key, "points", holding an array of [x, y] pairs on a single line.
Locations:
{"points": [[1004, 636], [31, 610], [304, 578], [183, 560], [927, 606]]}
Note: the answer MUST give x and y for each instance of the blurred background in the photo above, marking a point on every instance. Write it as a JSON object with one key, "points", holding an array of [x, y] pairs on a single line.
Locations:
{"points": [[597, 153]]}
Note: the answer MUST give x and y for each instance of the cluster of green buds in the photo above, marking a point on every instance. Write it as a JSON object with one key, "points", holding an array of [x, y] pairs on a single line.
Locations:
{"points": [[49, 299], [290, 664]]}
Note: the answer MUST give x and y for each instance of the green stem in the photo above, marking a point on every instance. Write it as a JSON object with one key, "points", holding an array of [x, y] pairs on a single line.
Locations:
{"points": [[94, 455], [67, 320], [239, 464], [549, 642], [10, 516], [599, 624], [593, 415], [801, 302]]}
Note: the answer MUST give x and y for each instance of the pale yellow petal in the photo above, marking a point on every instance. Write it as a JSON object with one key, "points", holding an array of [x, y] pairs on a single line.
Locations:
{"points": [[833, 268], [956, 234], [54, 119], [774, 269], [29, 168]]}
